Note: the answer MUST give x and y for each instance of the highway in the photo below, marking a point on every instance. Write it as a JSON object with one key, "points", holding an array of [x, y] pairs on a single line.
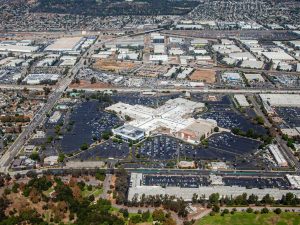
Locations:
{"points": [[197, 90]]}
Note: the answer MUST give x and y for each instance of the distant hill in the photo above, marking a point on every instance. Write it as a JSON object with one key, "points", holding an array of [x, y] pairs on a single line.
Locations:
{"points": [[115, 7]]}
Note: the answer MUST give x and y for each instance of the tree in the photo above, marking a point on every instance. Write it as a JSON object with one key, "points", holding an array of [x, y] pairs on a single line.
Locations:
{"points": [[61, 157], [35, 156], [264, 210], [226, 211], [84, 146], [249, 210], [93, 80], [216, 208], [259, 120], [214, 198], [267, 199], [136, 219], [46, 91], [253, 199], [145, 216], [124, 212], [277, 211], [158, 215]]}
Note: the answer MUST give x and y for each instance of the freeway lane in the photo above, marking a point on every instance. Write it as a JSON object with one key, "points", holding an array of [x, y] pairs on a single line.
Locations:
{"points": [[197, 90]]}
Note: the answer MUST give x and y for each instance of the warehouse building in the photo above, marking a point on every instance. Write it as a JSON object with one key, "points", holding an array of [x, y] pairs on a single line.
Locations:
{"points": [[41, 78], [241, 100], [278, 56], [281, 100], [18, 48], [254, 77], [294, 181], [279, 158], [229, 77], [66, 44]]}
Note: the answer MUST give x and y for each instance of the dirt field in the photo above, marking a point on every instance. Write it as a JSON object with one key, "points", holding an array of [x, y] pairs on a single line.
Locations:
{"points": [[87, 84], [207, 76], [112, 65]]}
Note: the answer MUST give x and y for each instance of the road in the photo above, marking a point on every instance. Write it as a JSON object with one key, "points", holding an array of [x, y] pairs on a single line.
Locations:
{"points": [[197, 90]]}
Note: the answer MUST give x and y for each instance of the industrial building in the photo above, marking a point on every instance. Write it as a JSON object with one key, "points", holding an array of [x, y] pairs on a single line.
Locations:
{"points": [[66, 44], [173, 118], [254, 77], [229, 77], [40, 78], [294, 181], [241, 100], [252, 64], [278, 56], [279, 158], [18, 48], [281, 100]]}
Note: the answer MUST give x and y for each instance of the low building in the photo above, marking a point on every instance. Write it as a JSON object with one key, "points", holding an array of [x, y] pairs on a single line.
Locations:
{"points": [[29, 148], [51, 160], [129, 133], [186, 165], [294, 181], [254, 77], [279, 158], [278, 56], [241, 100], [41, 78], [159, 58], [55, 117], [281, 100], [218, 166], [229, 76]]}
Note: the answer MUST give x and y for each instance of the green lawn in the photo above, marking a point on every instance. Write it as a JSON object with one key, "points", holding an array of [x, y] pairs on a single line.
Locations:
{"points": [[47, 193], [243, 218], [95, 191]]}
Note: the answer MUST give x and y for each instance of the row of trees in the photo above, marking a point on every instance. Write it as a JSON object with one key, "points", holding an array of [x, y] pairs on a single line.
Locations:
{"points": [[289, 199]]}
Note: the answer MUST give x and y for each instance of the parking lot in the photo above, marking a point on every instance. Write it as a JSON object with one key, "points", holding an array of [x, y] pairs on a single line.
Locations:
{"points": [[175, 181], [226, 117], [104, 151], [224, 146], [89, 123], [291, 116], [255, 182]]}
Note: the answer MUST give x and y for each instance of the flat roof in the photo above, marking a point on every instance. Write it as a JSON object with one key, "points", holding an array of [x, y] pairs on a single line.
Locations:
{"points": [[282, 100], [64, 44], [129, 131], [277, 56]]}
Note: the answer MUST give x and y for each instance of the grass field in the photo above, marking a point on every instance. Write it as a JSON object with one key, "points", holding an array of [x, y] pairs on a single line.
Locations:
{"points": [[243, 218], [95, 191]]}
